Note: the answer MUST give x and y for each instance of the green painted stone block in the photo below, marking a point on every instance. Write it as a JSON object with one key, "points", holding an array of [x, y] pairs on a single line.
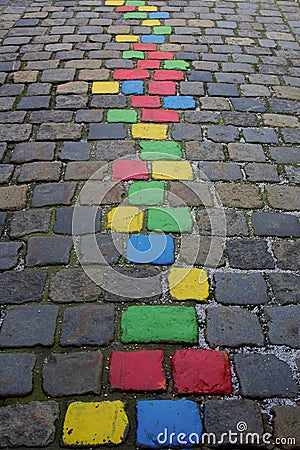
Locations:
{"points": [[135, 3], [132, 54], [122, 115], [135, 15], [171, 220], [178, 64], [162, 30], [159, 324], [156, 150], [148, 193]]}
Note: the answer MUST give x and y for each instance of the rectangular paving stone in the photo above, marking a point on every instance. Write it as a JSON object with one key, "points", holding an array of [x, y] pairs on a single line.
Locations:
{"points": [[40, 171], [275, 224], [152, 39], [53, 194], [285, 287], [105, 87], [121, 115], [149, 131], [87, 325], [106, 131], [31, 221], [284, 197], [12, 287], [133, 87], [249, 254], [9, 254], [260, 135], [146, 193], [127, 38], [172, 170], [160, 116], [283, 323], [241, 288], [188, 283], [30, 151], [176, 65], [15, 132], [126, 169], [125, 219], [176, 220], [159, 324], [179, 102], [48, 250], [16, 374], [145, 101], [28, 326], [59, 131], [160, 150]]}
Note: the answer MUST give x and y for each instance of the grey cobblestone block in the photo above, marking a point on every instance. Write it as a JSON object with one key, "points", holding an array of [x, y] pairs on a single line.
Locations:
{"points": [[293, 174], [86, 220], [287, 254], [198, 75], [48, 250], [88, 325], [40, 117], [6, 103], [93, 115], [184, 132], [9, 253], [190, 193], [243, 119], [71, 101], [223, 415], [215, 103], [219, 223], [207, 150], [236, 195], [220, 171], [15, 132], [28, 222], [21, 287], [107, 131], [35, 419], [12, 116], [223, 133], [73, 286], [284, 106], [291, 136], [260, 135], [27, 326], [286, 287], [40, 171], [249, 105], [286, 421], [53, 194], [109, 150], [283, 325], [11, 90], [74, 151], [222, 90], [6, 171], [249, 254], [191, 88], [59, 131], [258, 376], [16, 374], [108, 101], [261, 172], [275, 224], [34, 102], [2, 150], [39, 89], [103, 251], [284, 197], [57, 75], [232, 327], [30, 151], [83, 170], [241, 288], [202, 117], [73, 374], [246, 152]]}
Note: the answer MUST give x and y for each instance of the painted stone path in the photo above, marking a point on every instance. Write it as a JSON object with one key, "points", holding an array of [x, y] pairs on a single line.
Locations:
{"points": [[149, 224]]}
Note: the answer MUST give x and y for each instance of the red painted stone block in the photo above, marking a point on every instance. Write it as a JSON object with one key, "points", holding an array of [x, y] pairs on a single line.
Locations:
{"points": [[159, 115], [127, 169], [131, 74], [162, 88], [144, 47], [148, 64], [137, 371], [126, 8], [163, 75], [145, 101], [160, 55], [202, 371]]}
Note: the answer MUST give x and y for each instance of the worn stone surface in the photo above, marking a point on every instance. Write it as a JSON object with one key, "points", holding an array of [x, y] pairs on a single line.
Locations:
{"points": [[73, 285], [286, 419], [48, 250], [287, 254], [249, 254], [16, 374], [28, 222], [241, 288], [285, 287], [283, 325], [12, 287]]}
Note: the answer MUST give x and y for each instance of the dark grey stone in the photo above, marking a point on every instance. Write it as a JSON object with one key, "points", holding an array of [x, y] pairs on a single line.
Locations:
{"points": [[291, 135], [111, 150], [92, 115], [249, 254], [232, 327], [286, 287], [246, 152], [22, 287], [88, 325], [275, 224], [185, 132], [53, 194], [31, 425], [197, 75], [202, 117], [75, 151], [287, 254], [239, 119], [6, 171], [284, 325], [16, 374], [260, 135], [71, 101], [241, 288], [11, 90], [33, 151], [39, 117], [30, 221], [27, 326], [249, 105], [73, 374], [2, 221], [48, 250], [223, 133], [207, 150], [86, 220], [222, 90], [27, 23], [220, 416], [73, 285], [9, 254], [103, 251], [11, 132], [220, 171], [191, 88], [264, 376], [108, 101], [34, 102], [59, 131], [284, 106], [2, 150], [261, 172], [286, 424], [218, 223], [107, 131]]}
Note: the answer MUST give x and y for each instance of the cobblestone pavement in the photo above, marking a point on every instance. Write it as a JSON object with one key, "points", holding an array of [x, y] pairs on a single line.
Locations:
{"points": [[149, 223]]}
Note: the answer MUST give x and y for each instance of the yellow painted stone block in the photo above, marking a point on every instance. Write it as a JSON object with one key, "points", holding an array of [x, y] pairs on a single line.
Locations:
{"points": [[149, 131], [95, 423], [125, 219], [105, 87], [147, 8], [115, 2], [127, 38], [188, 284], [172, 170], [151, 23]]}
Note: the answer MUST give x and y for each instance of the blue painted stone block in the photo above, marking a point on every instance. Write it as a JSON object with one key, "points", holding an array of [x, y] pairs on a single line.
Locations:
{"points": [[159, 15], [132, 87], [153, 39], [150, 249], [179, 102], [168, 423]]}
